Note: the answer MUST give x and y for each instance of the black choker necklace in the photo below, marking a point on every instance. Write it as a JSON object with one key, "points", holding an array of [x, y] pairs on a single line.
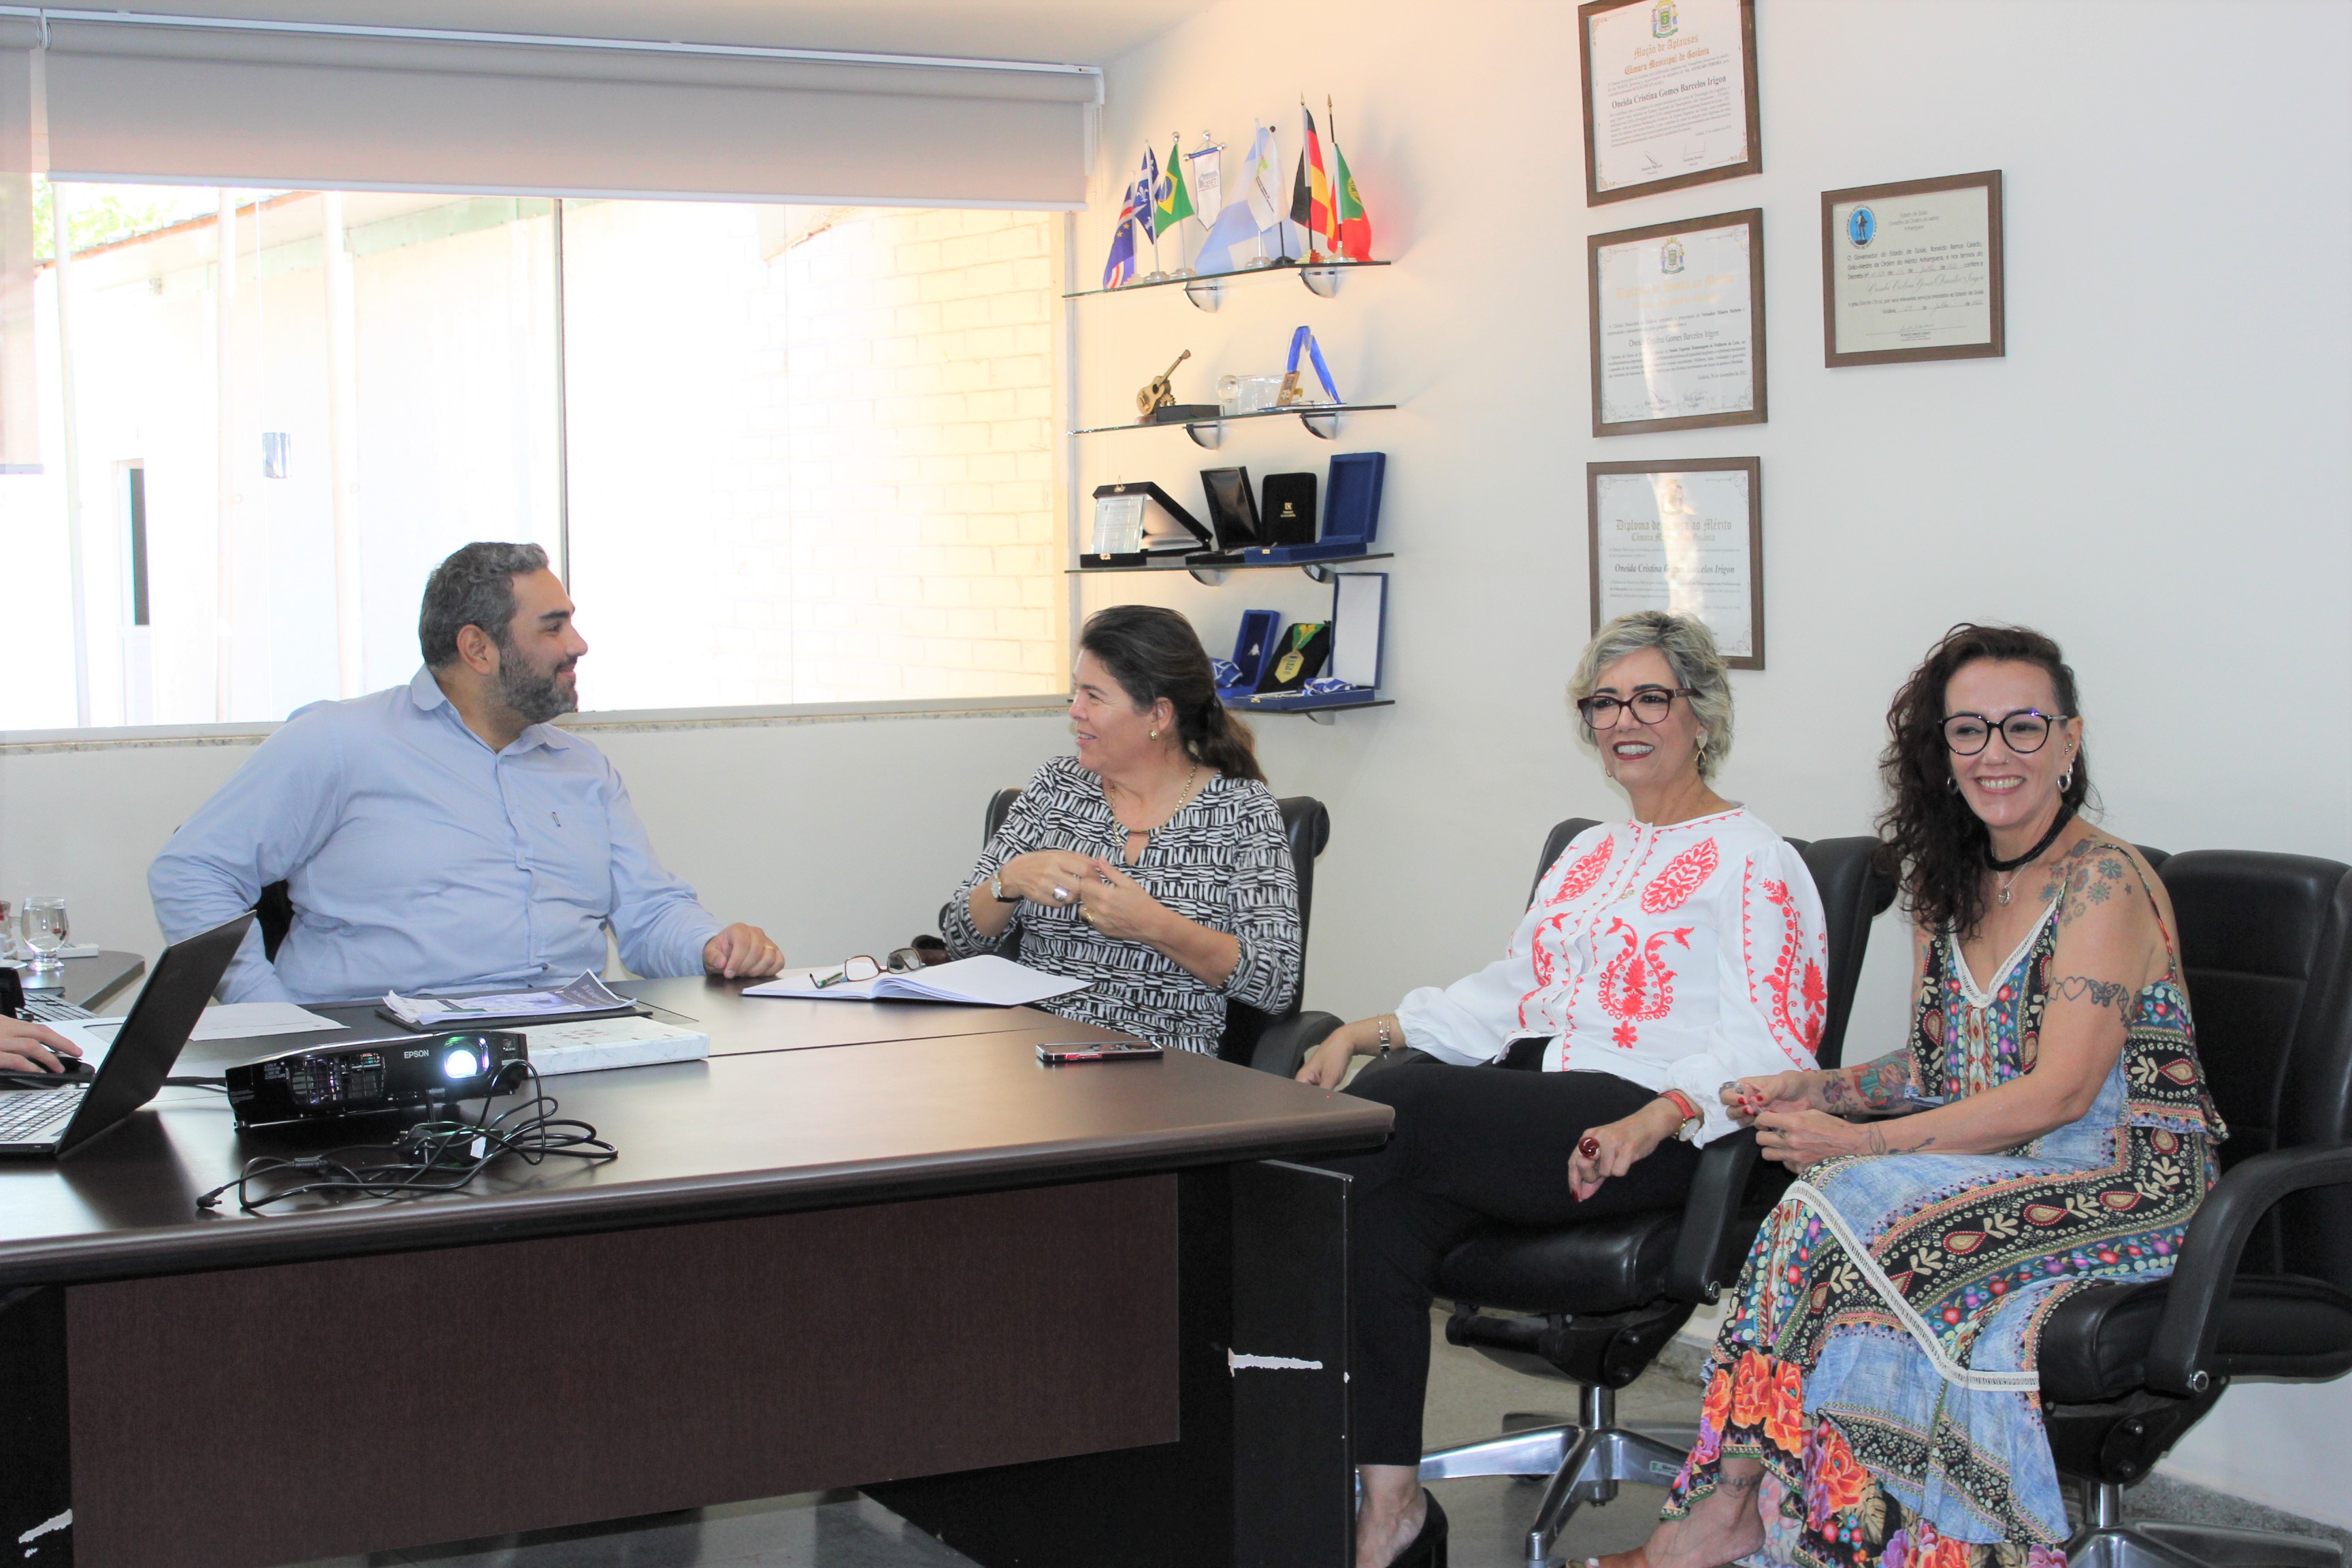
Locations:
{"points": [[2057, 827]]}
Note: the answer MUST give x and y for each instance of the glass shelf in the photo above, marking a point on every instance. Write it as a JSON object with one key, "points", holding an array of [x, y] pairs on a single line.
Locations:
{"points": [[1323, 715], [1214, 573], [1203, 290], [1320, 419]]}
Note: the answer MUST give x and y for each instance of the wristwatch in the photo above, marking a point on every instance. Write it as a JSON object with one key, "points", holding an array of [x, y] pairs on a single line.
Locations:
{"points": [[996, 892], [1692, 1122]]}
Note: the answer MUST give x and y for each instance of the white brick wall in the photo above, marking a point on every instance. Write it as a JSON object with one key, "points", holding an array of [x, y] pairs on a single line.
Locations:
{"points": [[868, 460]]}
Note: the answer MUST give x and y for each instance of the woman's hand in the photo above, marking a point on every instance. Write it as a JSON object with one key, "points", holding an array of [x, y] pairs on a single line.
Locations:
{"points": [[1783, 1091], [1117, 906], [1799, 1139], [27, 1046], [1052, 878], [1620, 1146], [1327, 1064]]}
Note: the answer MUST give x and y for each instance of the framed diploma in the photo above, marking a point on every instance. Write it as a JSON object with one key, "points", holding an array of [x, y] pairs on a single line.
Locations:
{"points": [[1913, 271], [1669, 95], [1677, 312], [1682, 536]]}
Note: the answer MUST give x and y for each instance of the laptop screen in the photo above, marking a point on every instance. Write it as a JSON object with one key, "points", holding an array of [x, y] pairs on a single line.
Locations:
{"points": [[160, 1023]]}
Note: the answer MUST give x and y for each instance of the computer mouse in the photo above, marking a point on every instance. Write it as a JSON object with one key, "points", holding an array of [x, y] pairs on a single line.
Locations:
{"points": [[73, 1071]]}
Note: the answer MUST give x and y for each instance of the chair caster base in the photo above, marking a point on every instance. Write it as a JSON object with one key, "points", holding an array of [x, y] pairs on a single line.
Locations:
{"points": [[1583, 1461]]}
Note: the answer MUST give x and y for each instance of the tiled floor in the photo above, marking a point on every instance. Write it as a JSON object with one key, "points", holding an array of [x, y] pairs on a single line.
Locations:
{"points": [[1469, 1397]]}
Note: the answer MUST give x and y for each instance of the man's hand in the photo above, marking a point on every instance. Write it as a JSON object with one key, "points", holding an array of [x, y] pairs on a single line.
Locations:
{"points": [[1799, 1139], [1620, 1146], [742, 951], [27, 1046], [1116, 905]]}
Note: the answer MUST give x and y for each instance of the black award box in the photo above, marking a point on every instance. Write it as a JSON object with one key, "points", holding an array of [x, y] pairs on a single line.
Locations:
{"points": [[1288, 509], [1233, 508]]}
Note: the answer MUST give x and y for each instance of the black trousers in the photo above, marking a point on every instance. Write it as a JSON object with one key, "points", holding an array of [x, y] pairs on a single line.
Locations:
{"points": [[1473, 1149]]}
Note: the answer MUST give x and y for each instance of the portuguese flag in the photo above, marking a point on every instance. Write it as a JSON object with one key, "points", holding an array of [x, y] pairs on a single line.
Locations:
{"points": [[1355, 225]]}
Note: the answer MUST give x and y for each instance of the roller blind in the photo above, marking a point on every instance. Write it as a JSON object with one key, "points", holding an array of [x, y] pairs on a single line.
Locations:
{"points": [[129, 100]]}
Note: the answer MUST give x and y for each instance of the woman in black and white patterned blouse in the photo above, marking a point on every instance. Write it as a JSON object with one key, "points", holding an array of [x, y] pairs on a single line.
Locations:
{"points": [[1153, 863]]}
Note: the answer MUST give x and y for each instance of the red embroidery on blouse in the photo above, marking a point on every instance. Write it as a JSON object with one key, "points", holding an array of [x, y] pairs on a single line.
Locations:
{"points": [[1637, 987], [1804, 1021], [1685, 875], [1586, 871]]}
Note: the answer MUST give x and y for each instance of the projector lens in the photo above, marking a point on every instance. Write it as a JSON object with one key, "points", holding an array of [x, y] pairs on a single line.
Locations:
{"points": [[459, 1063]]}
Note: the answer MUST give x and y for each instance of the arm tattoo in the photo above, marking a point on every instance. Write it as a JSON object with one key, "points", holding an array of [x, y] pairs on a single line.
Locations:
{"points": [[2087, 875], [2098, 992], [1876, 1141], [1882, 1085]]}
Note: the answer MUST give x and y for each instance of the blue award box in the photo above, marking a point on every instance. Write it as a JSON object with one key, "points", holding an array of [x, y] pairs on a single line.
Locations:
{"points": [[1351, 518], [1359, 602], [1253, 650]]}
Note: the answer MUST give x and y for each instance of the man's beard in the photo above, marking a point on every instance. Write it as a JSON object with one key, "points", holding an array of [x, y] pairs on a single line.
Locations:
{"points": [[536, 697]]}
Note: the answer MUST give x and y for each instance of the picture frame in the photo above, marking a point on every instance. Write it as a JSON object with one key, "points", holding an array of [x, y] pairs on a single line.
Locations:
{"points": [[1681, 534], [1661, 336], [1913, 271], [1665, 106]]}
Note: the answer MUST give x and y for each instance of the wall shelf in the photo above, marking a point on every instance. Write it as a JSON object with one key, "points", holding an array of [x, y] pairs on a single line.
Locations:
{"points": [[1204, 290], [1210, 574], [1323, 715], [1320, 419]]}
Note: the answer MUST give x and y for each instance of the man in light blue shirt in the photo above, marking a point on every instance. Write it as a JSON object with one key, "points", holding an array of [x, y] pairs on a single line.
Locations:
{"points": [[440, 835]]}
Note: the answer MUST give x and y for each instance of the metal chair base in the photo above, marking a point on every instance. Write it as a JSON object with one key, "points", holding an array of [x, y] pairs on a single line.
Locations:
{"points": [[1584, 1461], [2106, 1541]]}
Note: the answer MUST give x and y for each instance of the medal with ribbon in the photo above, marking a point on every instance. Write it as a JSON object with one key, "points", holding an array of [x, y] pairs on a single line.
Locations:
{"points": [[1292, 393], [1294, 659]]}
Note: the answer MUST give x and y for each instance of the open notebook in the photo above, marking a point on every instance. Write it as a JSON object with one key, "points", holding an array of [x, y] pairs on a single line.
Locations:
{"points": [[986, 980]]}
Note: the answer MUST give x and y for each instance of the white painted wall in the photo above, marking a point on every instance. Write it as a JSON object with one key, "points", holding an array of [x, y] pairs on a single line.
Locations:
{"points": [[2157, 474]]}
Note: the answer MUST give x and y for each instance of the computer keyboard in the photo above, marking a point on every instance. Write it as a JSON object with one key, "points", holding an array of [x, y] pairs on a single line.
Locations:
{"points": [[27, 1115], [50, 1010]]}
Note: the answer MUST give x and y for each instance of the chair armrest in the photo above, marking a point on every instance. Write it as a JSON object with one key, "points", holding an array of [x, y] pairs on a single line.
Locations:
{"points": [[1283, 1048], [2180, 1357], [1695, 1272]]}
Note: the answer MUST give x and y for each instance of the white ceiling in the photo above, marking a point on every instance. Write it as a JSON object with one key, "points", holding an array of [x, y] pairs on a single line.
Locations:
{"points": [[1079, 32]]}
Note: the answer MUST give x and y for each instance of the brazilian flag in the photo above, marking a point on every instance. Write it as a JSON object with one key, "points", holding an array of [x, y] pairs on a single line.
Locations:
{"points": [[1175, 203]]}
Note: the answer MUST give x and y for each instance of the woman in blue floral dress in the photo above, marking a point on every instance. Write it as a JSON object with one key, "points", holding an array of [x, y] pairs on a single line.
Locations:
{"points": [[1871, 1401]]}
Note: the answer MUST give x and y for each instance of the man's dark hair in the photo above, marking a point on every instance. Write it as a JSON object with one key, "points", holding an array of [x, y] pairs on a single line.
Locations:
{"points": [[473, 587]]}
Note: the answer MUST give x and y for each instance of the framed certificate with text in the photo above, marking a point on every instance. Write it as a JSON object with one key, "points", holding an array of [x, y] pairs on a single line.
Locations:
{"points": [[1678, 324], [1913, 271], [1669, 95], [1687, 537]]}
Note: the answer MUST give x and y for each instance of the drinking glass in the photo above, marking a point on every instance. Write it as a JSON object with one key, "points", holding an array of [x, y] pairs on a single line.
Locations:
{"points": [[45, 928]]}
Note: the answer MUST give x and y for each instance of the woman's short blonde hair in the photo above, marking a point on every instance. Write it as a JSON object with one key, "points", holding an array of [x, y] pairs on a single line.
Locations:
{"points": [[1690, 652]]}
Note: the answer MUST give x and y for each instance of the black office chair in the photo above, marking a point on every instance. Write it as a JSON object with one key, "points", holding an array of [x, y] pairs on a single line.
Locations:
{"points": [[2263, 1285], [1595, 1303], [1252, 1037]]}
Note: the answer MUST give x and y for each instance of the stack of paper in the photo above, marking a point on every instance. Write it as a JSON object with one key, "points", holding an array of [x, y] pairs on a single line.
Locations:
{"points": [[584, 995], [986, 980], [593, 1045]]}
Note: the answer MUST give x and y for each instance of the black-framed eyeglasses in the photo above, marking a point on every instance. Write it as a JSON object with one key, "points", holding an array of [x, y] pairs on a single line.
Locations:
{"points": [[1651, 704], [2026, 732], [865, 967]]}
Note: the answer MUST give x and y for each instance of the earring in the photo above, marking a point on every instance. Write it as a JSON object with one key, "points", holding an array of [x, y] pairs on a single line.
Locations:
{"points": [[1952, 782], [2066, 779]]}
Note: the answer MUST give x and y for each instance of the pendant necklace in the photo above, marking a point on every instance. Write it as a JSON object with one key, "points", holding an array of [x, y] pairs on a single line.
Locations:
{"points": [[2009, 868]]}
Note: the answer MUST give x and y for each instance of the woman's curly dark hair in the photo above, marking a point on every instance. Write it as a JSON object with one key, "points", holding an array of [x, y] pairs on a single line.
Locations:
{"points": [[1928, 837]]}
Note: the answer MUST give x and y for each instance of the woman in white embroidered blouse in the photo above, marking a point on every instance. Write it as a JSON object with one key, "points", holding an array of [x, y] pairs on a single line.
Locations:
{"points": [[1663, 956]]}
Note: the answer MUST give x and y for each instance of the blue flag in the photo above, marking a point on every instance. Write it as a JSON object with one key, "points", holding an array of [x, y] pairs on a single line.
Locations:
{"points": [[1146, 187], [1121, 265], [1235, 227]]}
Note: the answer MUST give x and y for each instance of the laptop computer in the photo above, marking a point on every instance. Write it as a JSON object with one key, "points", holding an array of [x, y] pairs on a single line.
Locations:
{"points": [[45, 1123]]}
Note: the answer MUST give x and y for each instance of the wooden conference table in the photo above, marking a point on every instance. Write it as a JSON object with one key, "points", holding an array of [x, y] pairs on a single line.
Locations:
{"points": [[864, 1245]]}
